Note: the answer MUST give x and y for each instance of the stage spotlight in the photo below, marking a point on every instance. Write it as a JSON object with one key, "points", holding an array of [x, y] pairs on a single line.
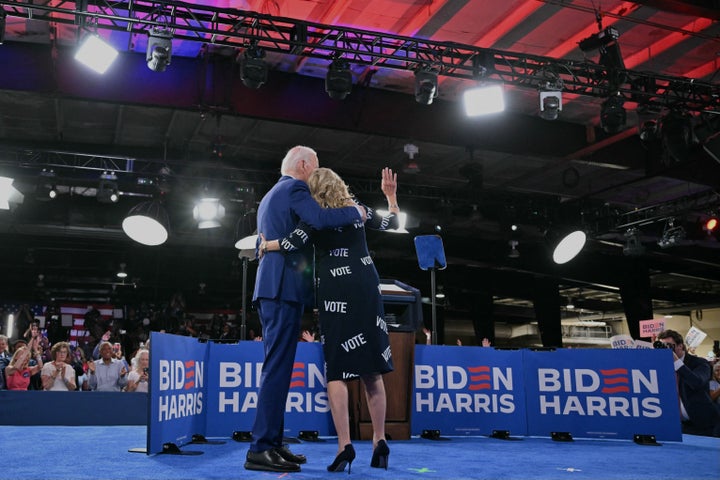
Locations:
{"points": [[108, 189], [599, 39], [483, 100], [46, 189], [633, 246], [678, 136], [649, 131], [159, 49], [253, 69], [672, 235], [147, 223], [121, 272], [514, 253], [711, 224], [8, 193], [569, 247], [550, 104], [612, 114], [426, 86], [338, 81], [606, 42], [208, 212], [96, 54]]}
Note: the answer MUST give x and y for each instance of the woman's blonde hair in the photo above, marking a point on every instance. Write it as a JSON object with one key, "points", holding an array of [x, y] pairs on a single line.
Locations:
{"points": [[328, 189], [20, 350]]}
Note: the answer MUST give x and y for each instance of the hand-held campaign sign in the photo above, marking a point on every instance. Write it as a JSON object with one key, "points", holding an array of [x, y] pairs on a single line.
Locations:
{"points": [[651, 327]]}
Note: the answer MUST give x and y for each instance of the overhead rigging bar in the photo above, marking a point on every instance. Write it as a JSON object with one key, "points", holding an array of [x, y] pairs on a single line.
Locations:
{"points": [[240, 29]]}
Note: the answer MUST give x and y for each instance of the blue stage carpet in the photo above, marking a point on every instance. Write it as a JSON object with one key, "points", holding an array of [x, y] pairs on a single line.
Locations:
{"points": [[102, 453]]}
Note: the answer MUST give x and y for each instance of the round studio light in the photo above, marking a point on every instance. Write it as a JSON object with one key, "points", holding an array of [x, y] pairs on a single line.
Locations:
{"points": [[569, 247], [147, 223]]}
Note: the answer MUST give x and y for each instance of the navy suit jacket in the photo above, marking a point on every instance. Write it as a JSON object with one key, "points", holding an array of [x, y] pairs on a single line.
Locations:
{"points": [[694, 378], [280, 275]]}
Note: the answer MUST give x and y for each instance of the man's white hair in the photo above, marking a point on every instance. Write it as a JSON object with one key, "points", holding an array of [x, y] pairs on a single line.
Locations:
{"points": [[294, 156]]}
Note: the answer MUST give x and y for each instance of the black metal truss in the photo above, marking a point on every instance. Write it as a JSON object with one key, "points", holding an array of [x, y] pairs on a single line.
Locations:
{"points": [[707, 201], [242, 29]]}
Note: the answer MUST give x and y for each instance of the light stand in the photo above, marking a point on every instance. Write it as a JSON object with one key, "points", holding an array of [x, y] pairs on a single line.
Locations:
{"points": [[431, 256], [433, 339], [247, 252]]}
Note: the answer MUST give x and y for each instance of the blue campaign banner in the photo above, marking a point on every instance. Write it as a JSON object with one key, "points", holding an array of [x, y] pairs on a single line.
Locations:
{"points": [[177, 390], [234, 373], [468, 390], [602, 393]]}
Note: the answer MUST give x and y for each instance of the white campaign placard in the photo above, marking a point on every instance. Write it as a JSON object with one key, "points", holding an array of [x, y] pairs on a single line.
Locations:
{"points": [[622, 341], [694, 337], [643, 344], [651, 327]]}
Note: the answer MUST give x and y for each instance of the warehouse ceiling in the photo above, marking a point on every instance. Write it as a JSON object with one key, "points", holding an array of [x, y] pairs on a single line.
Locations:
{"points": [[195, 127]]}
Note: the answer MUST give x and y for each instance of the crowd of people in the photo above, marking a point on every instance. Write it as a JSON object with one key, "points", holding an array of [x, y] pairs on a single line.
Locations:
{"points": [[64, 367]]}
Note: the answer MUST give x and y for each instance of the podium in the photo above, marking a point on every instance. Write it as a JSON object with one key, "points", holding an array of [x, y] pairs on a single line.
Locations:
{"points": [[403, 316]]}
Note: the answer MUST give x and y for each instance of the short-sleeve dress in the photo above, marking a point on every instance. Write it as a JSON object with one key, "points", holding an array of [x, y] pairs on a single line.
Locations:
{"points": [[352, 318]]}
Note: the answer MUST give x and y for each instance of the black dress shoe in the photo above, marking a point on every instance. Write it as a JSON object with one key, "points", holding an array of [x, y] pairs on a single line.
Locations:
{"points": [[269, 461], [285, 453]]}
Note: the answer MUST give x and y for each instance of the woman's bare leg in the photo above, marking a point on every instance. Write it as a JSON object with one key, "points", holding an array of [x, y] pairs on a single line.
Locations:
{"points": [[338, 397], [377, 404]]}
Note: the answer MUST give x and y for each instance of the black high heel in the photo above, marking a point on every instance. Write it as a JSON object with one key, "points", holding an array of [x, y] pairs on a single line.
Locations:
{"points": [[380, 455], [343, 458]]}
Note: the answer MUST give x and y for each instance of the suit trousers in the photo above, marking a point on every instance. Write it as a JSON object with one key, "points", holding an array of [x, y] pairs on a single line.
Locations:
{"points": [[280, 331]]}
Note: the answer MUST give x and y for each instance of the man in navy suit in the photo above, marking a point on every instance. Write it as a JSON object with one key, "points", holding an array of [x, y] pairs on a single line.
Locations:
{"points": [[280, 294], [700, 415]]}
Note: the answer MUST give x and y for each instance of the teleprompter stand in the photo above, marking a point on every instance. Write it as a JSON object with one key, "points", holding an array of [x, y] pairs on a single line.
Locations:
{"points": [[431, 256]]}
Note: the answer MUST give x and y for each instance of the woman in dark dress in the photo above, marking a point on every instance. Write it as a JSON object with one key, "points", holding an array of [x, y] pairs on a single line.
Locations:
{"points": [[352, 325]]}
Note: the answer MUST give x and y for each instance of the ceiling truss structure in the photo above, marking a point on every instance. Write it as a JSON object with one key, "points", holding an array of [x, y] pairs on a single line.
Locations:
{"points": [[243, 29]]}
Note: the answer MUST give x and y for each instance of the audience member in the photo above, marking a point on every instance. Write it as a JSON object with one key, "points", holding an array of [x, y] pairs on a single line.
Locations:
{"points": [[715, 384], [23, 319], [58, 375], [4, 359], [79, 364], [108, 374], [4, 347], [138, 378], [19, 371], [700, 415], [21, 342], [227, 334], [36, 340]]}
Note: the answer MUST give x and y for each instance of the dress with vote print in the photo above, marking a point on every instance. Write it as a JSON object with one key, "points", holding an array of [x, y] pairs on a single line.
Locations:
{"points": [[352, 317]]}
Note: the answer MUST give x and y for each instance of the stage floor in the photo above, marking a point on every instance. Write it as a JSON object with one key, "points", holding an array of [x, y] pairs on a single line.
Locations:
{"points": [[103, 453]]}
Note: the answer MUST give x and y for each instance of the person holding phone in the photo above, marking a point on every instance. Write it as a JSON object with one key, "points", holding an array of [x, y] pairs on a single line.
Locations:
{"points": [[138, 377]]}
